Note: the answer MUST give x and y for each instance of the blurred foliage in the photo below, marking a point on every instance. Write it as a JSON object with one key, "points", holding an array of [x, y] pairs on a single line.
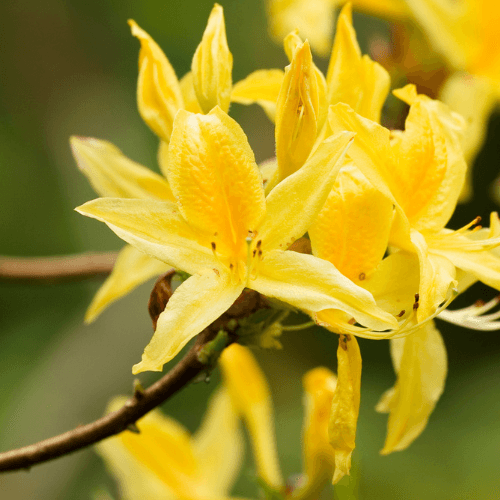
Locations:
{"points": [[70, 68]]}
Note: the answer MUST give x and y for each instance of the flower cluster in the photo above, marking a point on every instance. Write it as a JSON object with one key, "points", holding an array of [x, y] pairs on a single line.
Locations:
{"points": [[378, 261]]}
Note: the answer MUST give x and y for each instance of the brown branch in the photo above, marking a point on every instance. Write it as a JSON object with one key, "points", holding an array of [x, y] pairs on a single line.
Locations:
{"points": [[64, 268], [141, 403]]}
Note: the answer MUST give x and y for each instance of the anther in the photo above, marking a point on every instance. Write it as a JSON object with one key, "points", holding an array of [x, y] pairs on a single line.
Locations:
{"points": [[259, 243], [214, 246], [416, 305], [361, 276], [417, 297], [401, 314]]}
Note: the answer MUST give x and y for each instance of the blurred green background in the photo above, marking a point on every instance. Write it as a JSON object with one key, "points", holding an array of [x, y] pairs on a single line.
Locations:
{"points": [[70, 67]]}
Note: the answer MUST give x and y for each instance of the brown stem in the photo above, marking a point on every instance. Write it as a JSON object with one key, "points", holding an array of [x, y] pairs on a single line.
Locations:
{"points": [[141, 403], [64, 268]]}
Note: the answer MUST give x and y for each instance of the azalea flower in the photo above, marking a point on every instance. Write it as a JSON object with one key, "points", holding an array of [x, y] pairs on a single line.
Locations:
{"points": [[228, 236], [159, 96], [164, 460], [421, 172]]}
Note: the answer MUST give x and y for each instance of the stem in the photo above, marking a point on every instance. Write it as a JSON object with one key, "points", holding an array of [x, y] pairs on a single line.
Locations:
{"points": [[141, 403], [66, 267], [302, 326]]}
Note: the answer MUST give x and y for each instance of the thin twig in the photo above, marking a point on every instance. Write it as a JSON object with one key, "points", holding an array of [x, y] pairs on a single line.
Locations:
{"points": [[141, 403], [64, 268]]}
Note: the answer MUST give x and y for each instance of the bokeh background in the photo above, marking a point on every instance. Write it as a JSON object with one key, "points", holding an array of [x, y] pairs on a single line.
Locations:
{"points": [[70, 67]]}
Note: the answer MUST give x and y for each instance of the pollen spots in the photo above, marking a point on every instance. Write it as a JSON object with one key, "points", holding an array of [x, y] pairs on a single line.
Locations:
{"points": [[343, 341], [361, 276], [416, 303], [216, 271]]}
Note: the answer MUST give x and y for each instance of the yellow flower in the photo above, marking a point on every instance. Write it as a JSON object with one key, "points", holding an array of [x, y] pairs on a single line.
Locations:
{"points": [[224, 232], [323, 423], [315, 18], [165, 461], [159, 96]]}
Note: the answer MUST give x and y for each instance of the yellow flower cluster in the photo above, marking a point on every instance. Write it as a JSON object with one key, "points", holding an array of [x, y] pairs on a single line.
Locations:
{"points": [[374, 203]]}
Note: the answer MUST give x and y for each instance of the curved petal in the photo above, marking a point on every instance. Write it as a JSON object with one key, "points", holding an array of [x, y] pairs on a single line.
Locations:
{"points": [[250, 393], [219, 445], [213, 175], [352, 229], [131, 269], [294, 203], [212, 65], [261, 87], [111, 173], [345, 405], [313, 285], [437, 276], [420, 362], [353, 79], [297, 112], [155, 228], [158, 91], [318, 454], [483, 264], [199, 301], [431, 166]]}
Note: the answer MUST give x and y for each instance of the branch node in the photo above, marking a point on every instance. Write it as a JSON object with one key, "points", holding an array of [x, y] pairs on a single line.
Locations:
{"points": [[138, 390], [133, 428]]}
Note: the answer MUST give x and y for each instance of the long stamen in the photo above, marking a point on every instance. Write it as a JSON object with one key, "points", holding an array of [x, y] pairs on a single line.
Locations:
{"points": [[473, 316]]}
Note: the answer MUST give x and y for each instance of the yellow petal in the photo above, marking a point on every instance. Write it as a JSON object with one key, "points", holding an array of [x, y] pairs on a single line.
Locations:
{"points": [[199, 301], [215, 179], [261, 87], [371, 150], [219, 445], [420, 362], [295, 202], [131, 269], [189, 95], [313, 284], [437, 276], [353, 79], [297, 112], [158, 91], [345, 405], [318, 454], [312, 18], [162, 157], [474, 98], [395, 282], [467, 254], [111, 173], [431, 166], [155, 228], [352, 229], [251, 396], [212, 65], [162, 453]]}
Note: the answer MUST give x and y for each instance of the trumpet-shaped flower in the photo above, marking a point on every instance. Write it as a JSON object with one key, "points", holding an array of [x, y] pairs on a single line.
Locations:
{"points": [[159, 96], [164, 461], [421, 172], [224, 232]]}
